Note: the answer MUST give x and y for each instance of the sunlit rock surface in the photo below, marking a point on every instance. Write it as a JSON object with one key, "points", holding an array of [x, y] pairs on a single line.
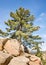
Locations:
{"points": [[12, 53]]}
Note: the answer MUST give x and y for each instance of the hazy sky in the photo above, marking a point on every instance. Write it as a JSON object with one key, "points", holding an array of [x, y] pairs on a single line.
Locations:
{"points": [[37, 7]]}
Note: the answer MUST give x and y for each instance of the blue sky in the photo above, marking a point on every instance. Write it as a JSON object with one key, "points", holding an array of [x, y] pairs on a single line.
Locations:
{"points": [[37, 7]]}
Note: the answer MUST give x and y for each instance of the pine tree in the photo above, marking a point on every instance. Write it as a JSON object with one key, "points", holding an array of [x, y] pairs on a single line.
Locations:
{"points": [[21, 27], [38, 49]]}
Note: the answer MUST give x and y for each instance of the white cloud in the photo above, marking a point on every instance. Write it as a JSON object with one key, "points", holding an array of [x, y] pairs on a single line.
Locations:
{"points": [[42, 26], [41, 17], [44, 35], [43, 46], [42, 14], [41, 20]]}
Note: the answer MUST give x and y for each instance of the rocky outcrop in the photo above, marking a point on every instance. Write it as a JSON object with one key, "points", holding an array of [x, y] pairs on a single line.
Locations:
{"points": [[12, 53], [2, 43], [12, 47], [4, 57], [21, 60], [34, 60]]}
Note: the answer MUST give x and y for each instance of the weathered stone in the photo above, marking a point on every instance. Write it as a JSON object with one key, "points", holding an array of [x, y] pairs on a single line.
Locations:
{"points": [[1, 45], [3, 57], [16, 63], [34, 60], [21, 60], [9, 48], [2, 42], [12, 47], [34, 63]]}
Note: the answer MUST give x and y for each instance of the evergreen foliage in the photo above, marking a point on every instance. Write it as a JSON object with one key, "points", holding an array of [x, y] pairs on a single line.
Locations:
{"points": [[21, 27]]}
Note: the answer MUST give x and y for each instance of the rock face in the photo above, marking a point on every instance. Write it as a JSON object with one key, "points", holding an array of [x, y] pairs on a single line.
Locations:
{"points": [[12, 47], [3, 57], [35, 60], [12, 53], [2, 42], [21, 60], [1, 46]]}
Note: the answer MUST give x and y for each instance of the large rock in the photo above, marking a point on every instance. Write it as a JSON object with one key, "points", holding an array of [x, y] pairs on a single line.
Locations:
{"points": [[9, 48], [34, 60], [2, 43], [21, 60], [4, 57], [34, 63], [12, 47]]}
